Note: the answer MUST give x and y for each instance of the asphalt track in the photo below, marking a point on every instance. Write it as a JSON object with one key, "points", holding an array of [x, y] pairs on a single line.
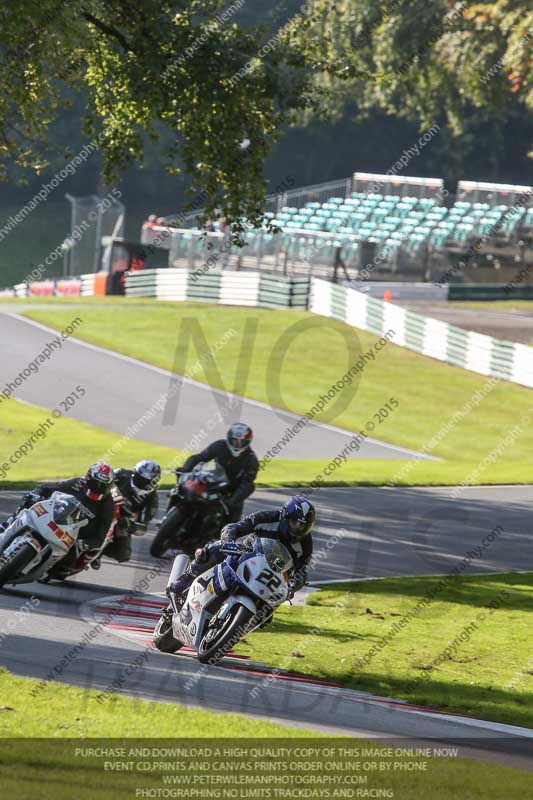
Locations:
{"points": [[121, 390], [381, 532], [513, 326]]}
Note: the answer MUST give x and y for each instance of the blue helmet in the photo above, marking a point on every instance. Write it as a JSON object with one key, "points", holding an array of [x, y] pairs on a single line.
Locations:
{"points": [[145, 478], [299, 515]]}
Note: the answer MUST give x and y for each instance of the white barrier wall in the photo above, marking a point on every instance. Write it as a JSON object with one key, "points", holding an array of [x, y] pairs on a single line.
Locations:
{"points": [[431, 337]]}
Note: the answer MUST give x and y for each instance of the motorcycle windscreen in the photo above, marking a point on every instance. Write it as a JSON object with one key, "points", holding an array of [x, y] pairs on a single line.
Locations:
{"points": [[67, 510], [276, 554], [212, 473]]}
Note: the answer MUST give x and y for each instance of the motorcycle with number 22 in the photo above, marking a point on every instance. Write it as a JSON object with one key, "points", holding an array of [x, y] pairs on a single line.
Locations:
{"points": [[227, 601]]}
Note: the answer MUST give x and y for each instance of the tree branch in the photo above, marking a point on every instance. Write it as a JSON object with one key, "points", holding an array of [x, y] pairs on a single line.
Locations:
{"points": [[110, 31]]}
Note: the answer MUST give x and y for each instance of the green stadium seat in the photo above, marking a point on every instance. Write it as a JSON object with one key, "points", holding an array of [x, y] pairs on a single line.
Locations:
{"points": [[379, 217], [462, 232], [513, 220], [381, 234], [402, 209], [312, 205], [415, 242], [437, 237], [388, 227], [338, 201]]}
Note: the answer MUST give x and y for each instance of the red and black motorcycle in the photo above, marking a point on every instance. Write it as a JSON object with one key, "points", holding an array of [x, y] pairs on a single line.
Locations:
{"points": [[196, 511]]}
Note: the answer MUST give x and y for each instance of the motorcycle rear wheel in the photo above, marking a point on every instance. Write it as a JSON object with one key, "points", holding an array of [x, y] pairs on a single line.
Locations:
{"points": [[163, 636], [11, 565], [218, 642]]}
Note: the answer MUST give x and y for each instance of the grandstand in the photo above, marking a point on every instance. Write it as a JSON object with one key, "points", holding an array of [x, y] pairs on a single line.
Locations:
{"points": [[377, 226]]}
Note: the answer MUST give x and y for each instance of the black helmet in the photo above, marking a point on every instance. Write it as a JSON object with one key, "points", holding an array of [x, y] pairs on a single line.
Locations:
{"points": [[145, 478], [298, 515], [99, 480], [239, 438]]}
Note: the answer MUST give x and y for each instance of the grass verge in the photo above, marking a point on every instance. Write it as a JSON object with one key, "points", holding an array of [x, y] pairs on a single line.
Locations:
{"points": [[68, 712], [497, 305], [70, 446], [64, 449], [50, 770], [483, 621], [309, 359]]}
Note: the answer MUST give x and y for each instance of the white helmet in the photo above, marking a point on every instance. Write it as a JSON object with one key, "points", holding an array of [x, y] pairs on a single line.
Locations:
{"points": [[239, 438]]}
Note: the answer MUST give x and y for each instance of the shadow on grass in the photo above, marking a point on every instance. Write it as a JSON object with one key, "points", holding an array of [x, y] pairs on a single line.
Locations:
{"points": [[483, 702], [478, 591], [293, 627]]}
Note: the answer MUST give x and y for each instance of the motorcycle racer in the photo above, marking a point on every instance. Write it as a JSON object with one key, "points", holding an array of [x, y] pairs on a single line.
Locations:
{"points": [[94, 492], [292, 525], [138, 487], [235, 455]]}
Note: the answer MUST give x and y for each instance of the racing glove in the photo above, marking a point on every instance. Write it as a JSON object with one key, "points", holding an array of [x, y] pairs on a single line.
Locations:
{"points": [[228, 534], [30, 498]]}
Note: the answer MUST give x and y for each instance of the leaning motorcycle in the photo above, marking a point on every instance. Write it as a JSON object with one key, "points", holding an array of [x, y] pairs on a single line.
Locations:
{"points": [[39, 537], [228, 601], [196, 510]]}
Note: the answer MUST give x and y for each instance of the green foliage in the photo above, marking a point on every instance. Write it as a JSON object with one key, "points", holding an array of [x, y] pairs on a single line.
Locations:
{"points": [[420, 58], [216, 89], [143, 64]]}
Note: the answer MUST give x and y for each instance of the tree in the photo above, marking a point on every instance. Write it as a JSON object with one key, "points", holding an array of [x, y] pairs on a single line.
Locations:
{"points": [[222, 88], [186, 65], [422, 58]]}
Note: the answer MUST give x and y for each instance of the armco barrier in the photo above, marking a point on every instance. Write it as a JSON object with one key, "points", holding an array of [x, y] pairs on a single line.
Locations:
{"points": [[62, 287], [473, 351], [215, 286], [430, 337]]}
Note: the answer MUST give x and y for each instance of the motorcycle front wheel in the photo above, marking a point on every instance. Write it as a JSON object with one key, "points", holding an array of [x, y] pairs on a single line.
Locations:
{"points": [[166, 536], [219, 639], [163, 636], [11, 565]]}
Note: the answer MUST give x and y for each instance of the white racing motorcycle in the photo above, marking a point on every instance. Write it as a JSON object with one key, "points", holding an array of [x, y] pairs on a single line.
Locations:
{"points": [[227, 601], [39, 537]]}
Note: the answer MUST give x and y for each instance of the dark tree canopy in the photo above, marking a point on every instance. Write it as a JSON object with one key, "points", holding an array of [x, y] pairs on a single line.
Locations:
{"points": [[222, 87]]}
